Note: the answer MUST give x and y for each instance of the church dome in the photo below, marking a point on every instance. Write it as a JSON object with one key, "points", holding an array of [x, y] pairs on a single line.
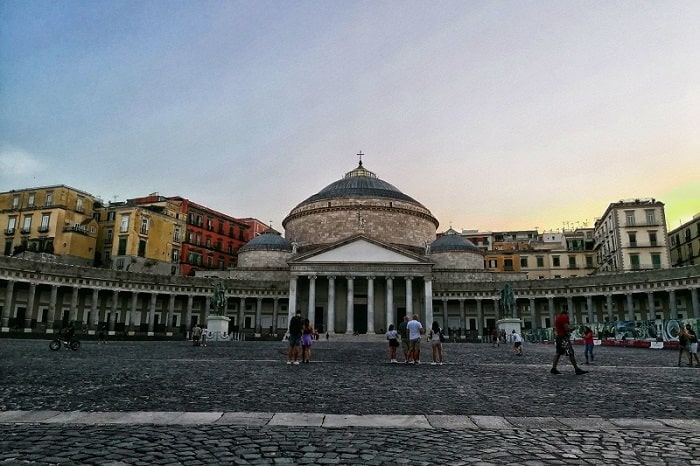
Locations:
{"points": [[269, 240], [360, 204], [452, 241]]}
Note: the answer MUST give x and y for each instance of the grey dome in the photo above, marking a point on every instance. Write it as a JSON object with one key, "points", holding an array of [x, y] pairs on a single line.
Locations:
{"points": [[269, 240], [359, 183], [452, 241]]}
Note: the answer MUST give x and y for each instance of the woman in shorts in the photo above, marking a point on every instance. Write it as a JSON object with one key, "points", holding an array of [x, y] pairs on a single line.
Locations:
{"points": [[393, 337], [307, 338]]}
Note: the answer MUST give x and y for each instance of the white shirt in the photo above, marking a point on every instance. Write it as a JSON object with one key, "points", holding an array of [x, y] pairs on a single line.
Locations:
{"points": [[414, 328], [517, 338]]}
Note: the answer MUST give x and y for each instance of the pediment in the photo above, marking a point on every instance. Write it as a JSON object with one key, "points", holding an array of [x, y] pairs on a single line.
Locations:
{"points": [[360, 250]]}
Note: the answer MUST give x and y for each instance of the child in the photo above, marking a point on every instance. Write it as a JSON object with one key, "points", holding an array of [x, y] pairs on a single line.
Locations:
{"points": [[588, 343], [393, 337]]}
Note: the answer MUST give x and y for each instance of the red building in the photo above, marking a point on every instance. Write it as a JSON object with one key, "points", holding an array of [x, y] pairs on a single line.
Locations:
{"points": [[212, 239]]}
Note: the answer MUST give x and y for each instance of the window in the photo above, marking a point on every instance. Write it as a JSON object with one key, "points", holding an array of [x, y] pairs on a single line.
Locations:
{"points": [[30, 200], [210, 224], [652, 238], [11, 225], [45, 219], [109, 235], [572, 262], [651, 218], [634, 261], [508, 264], [120, 264], [523, 262], [144, 226], [656, 261], [175, 256], [121, 250], [540, 262], [493, 263], [111, 215], [555, 261], [221, 264], [124, 226], [589, 261], [142, 248], [633, 239], [27, 225], [49, 199], [79, 204], [15, 201], [629, 215], [176, 234]]}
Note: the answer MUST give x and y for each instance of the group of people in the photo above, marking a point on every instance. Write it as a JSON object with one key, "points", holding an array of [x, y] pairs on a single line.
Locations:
{"points": [[199, 336], [408, 336], [301, 334], [688, 343]]}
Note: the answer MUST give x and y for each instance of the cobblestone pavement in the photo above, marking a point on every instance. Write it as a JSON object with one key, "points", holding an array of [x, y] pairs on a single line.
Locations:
{"points": [[239, 403]]}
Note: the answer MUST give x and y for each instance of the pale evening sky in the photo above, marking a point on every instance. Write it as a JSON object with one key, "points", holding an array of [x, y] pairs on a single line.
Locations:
{"points": [[495, 115]]}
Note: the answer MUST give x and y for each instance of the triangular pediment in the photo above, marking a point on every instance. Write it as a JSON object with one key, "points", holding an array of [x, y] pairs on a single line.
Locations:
{"points": [[360, 250]]}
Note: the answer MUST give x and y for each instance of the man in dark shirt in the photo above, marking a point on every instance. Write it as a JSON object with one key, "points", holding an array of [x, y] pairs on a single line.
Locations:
{"points": [[295, 326], [403, 333], [563, 344]]}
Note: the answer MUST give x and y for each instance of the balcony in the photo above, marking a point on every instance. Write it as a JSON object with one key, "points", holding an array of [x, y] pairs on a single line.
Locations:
{"points": [[25, 231], [43, 229], [10, 231]]}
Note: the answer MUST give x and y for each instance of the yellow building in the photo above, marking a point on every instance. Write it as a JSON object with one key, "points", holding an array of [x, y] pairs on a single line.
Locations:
{"points": [[52, 223], [141, 238]]}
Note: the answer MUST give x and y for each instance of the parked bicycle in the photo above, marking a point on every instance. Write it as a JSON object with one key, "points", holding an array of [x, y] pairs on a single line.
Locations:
{"points": [[56, 344]]}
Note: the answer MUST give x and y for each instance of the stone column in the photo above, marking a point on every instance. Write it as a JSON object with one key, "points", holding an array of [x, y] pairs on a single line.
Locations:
{"points": [[550, 307], [572, 311], [480, 317], [292, 306], [462, 318], [409, 297], [630, 306], [113, 315], [444, 315], [171, 314], [94, 310], [609, 306], [241, 314], [30, 307], [188, 316], [132, 312], [350, 306], [533, 314], [311, 313], [74, 305], [258, 315], [152, 314], [673, 305], [651, 313], [390, 314], [589, 309], [275, 311], [370, 305], [8, 306], [696, 303], [51, 315], [330, 326], [428, 301]]}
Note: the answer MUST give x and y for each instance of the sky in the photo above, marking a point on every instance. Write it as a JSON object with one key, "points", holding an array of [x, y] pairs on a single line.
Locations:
{"points": [[495, 115]]}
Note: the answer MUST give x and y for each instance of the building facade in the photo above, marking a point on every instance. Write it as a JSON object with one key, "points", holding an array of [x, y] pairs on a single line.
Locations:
{"points": [[685, 243], [54, 222], [356, 257]]}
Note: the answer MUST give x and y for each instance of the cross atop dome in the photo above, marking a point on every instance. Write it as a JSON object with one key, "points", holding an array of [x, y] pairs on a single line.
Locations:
{"points": [[360, 154]]}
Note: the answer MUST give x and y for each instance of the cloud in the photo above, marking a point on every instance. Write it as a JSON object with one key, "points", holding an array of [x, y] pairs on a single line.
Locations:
{"points": [[17, 162]]}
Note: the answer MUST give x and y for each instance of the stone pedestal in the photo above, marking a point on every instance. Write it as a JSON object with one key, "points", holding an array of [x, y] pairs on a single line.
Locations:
{"points": [[509, 325], [217, 328]]}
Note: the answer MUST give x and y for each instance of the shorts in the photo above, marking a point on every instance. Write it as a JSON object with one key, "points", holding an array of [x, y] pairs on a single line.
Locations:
{"points": [[393, 342], [563, 344], [405, 344], [517, 344], [306, 340], [414, 345], [294, 340]]}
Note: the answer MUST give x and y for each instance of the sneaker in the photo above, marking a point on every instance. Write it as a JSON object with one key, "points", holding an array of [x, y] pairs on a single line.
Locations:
{"points": [[433, 363], [416, 362], [289, 362], [441, 363], [411, 361], [296, 363], [581, 372], [554, 371], [394, 361]]}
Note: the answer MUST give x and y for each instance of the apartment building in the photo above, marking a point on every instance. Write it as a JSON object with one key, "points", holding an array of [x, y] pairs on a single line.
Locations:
{"points": [[684, 243], [52, 223], [632, 235]]}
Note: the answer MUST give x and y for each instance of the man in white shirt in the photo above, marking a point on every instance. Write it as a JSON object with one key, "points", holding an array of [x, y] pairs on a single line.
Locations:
{"points": [[415, 330], [517, 343]]}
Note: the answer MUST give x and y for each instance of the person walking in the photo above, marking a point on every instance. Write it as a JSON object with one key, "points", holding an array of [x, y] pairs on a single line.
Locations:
{"points": [[393, 336], [101, 335], [693, 344], [517, 343], [435, 336], [684, 345], [415, 330], [563, 343], [588, 344], [495, 338], [307, 339], [203, 338], [403, 333], [295, 330], [196, 335]]}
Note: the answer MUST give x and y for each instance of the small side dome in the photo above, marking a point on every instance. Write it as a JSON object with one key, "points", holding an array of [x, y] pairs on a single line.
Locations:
{"points": [[269, 240], [451, 241]]}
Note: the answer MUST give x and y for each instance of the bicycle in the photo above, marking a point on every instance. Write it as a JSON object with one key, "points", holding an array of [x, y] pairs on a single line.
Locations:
{"points": [[56, 344]]}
